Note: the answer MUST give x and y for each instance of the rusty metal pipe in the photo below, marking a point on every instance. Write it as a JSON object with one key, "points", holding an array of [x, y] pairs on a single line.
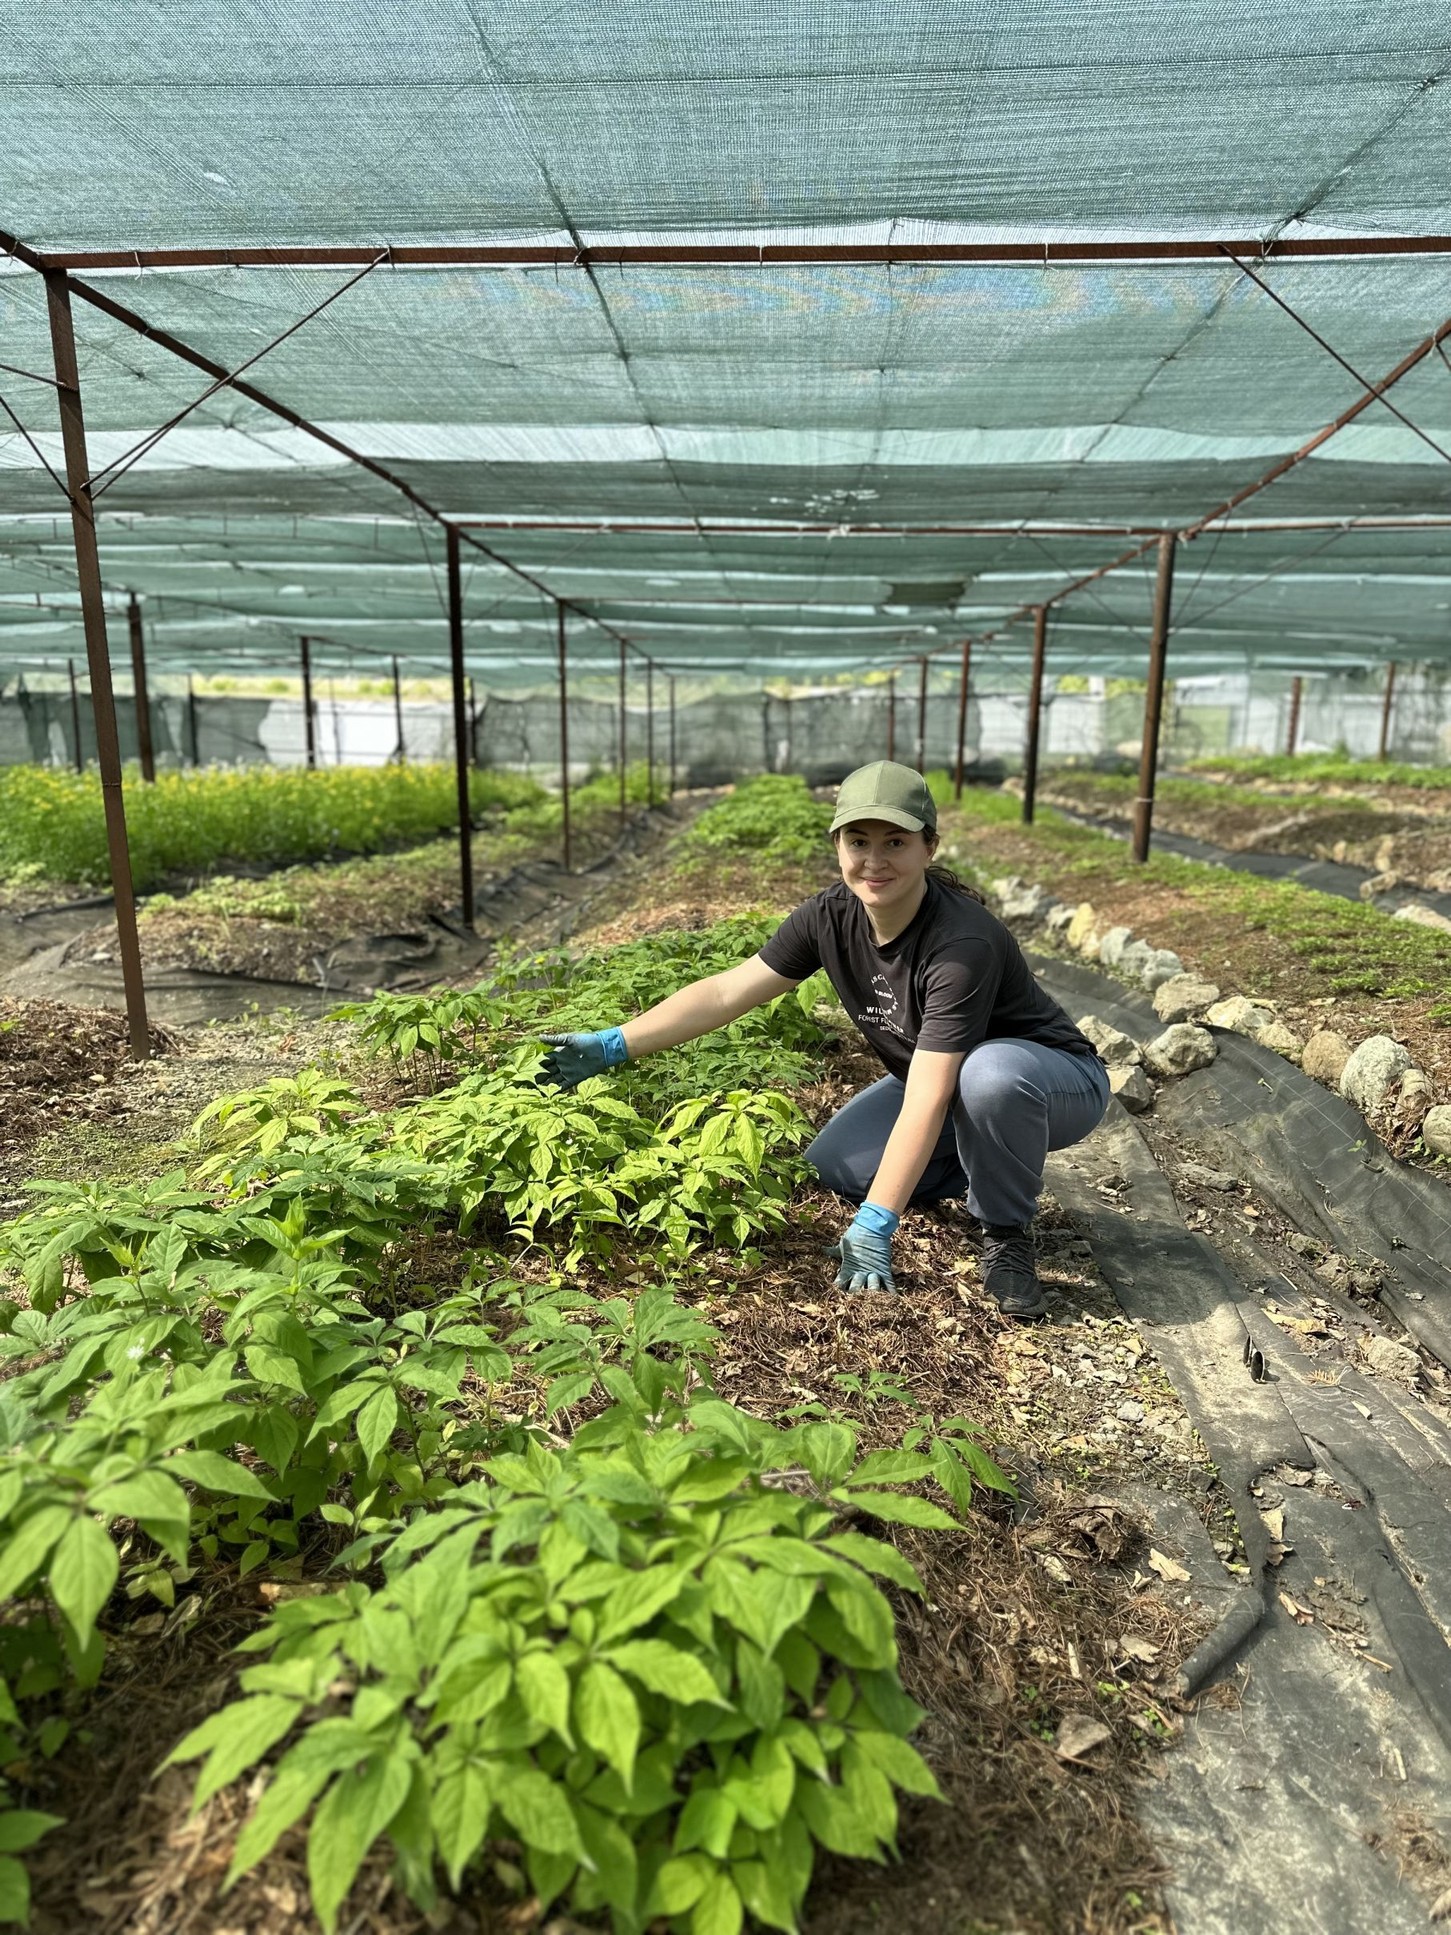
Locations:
{"points": [[1387, 704], [1154, 699], [962, 717], [564, 739], [98, 659], [142, 696], [1035, 715], [460, 726]]}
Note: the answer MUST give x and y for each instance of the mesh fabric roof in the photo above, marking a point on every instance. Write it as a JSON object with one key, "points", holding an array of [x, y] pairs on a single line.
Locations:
{"points": [[728, 404]]}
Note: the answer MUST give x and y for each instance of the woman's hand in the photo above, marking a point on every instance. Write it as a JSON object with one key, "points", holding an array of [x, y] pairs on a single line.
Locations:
{"points": [[574, 1058], [865, 1250]]}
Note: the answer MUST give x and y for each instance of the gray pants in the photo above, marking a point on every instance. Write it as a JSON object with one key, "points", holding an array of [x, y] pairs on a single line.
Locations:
{"points": [[1016, 1100]]}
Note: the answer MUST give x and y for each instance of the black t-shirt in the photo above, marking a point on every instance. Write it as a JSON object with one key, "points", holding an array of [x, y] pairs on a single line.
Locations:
{"points": [[952, 978]]}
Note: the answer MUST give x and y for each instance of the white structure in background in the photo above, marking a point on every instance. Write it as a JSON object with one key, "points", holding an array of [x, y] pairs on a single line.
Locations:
{"points": [[355, 732]]}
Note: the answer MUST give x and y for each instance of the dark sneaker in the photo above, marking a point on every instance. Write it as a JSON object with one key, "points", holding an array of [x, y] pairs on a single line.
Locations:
{"points": [[1009, 1270]]}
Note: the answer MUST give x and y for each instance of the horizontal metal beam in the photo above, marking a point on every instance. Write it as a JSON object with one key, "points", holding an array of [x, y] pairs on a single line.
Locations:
{"points": [[1017, 527], [1083, 252]]}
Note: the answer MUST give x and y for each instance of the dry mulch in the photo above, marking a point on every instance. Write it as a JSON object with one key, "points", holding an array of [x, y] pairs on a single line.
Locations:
{"points": [[57, 1064]]}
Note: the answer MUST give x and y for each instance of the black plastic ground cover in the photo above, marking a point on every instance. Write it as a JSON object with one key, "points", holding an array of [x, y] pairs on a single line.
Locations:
{"points": [[1271, 1815], [1322, 876]]}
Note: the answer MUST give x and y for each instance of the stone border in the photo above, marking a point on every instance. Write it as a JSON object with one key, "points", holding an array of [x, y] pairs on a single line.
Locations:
{"points": [[1377, 1076]]}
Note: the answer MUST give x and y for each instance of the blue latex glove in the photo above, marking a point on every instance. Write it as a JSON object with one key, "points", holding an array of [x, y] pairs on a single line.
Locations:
{"points": [[574, 1058], [866, 1250]]}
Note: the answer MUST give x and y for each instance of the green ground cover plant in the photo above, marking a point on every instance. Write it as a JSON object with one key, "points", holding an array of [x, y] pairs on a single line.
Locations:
{"points": [[1120, 790], [774, 817], [561, 991], [581, 1604], [1333, 769], [52, 825]]}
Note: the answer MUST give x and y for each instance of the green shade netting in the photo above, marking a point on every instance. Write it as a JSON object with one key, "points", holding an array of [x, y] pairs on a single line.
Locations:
{"points": [[832, 395]]}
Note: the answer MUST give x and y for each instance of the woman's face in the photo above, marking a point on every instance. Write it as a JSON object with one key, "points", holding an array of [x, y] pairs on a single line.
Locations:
{"points": [[882, 864]]}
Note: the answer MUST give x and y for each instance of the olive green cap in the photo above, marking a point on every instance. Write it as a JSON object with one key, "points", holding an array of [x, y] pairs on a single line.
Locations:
{"points": [[886, 791]]}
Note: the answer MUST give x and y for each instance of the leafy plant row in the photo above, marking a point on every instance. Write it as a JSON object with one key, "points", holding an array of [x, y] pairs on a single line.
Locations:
{"points": [[650, 1652], [774, 817], [52, 825]]}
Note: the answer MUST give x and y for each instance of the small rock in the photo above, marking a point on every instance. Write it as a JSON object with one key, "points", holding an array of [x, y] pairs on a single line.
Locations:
{"points": [[1179, 1050], [1183, 997], [1059, 917], [1079, 1734], [1240, 1016], [1324, 1056], [1132, 1087], [1134, 959], [1302, 1245], [1379, 883], [1112, 945], [1084, 922], [1021, 905], [1435, 1129], [1422, 916], [1117, 1049], [1131, 1411], [1284, 1041], [1200, 1174], [1414, 1094], [1389, 1359], [1374, 1067], [1162, 965]]}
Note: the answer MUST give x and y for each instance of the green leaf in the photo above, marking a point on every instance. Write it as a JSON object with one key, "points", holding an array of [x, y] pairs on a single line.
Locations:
{"points": [[762, 1684], [214, 1473], [664, 1668], [14, 1891], [707, 1821], [766, 1894], [639, 1598], [543, 1685], [355, 1811], [719, 1910], [901, 1508], [377, 1422], [826, 1450], [22, 1827], [290, 1793], [890, 1468], [156, 1502], [233, 1739], [461, 1804], [680, 1884], [274, 1367], [901, 1763], [875, 1555], [82, 1573], [30, 1546], [608, 1716], [539, 1809]]}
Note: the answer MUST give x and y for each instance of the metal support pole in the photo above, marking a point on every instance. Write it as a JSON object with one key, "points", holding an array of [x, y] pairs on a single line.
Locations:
{"points": [[460, 727], [309, 722], [671, 793], [922, 718], [1154, 697], [624, 744], [191, 722], [1035, 715], [402, 754], [962, 717], [70, 666], [93, 618], [1385, 712], [143, 697], [473, 724], [1292, 729], [564, 734], [650, 730], [892, 717]]}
